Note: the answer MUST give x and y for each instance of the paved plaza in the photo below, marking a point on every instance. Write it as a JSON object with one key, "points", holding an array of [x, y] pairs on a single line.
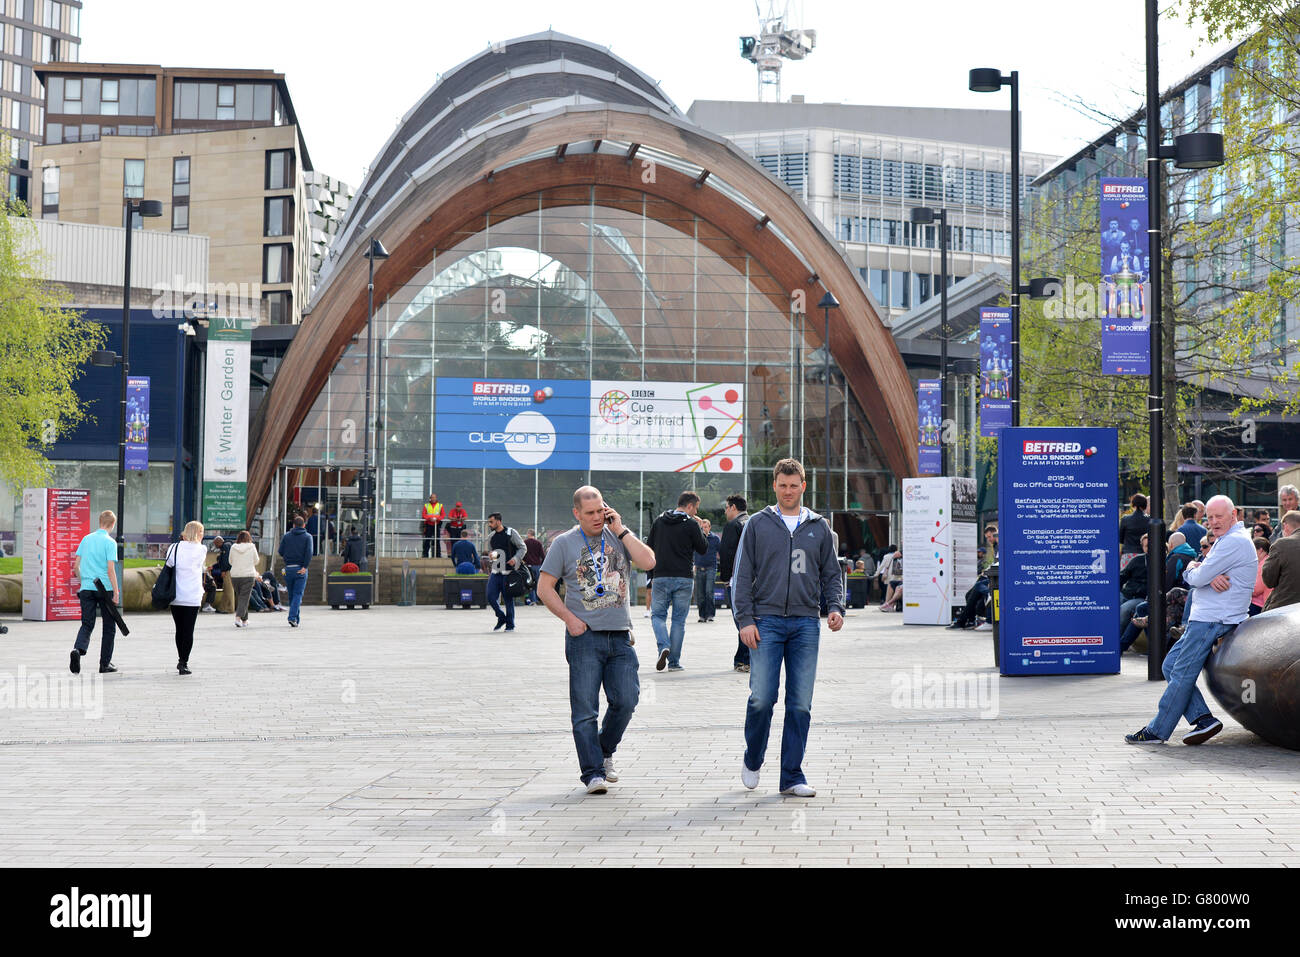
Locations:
{"points": [[417, 736]]}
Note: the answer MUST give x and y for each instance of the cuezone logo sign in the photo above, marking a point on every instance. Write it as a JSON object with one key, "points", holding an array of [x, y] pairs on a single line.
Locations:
{"points": [[528, 438]]}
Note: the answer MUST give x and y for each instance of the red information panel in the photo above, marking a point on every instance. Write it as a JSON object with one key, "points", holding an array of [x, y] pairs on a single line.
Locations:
{"points": [[67, 522]]}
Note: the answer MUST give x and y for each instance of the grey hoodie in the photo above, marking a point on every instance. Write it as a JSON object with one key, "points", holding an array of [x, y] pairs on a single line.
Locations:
{"points": [[782, 574]]}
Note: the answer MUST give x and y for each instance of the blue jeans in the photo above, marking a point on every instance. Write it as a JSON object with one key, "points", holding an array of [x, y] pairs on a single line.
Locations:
{"points": [[89, 608], [676, 591], [794, 641], [496, 588], [599, 658], [1182, 666], [704, 579], [1131, 631], [297, 585], [1127, 609]]}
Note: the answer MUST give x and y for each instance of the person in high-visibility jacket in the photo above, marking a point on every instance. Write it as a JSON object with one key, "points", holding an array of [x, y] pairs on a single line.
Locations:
{"points": [[432, 513]]}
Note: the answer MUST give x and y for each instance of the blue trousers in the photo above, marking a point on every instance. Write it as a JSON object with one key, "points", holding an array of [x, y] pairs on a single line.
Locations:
{"points": [[793, 641], [297, 585], [496, 588], [596, 659], [1182, 666], [677, 593]]}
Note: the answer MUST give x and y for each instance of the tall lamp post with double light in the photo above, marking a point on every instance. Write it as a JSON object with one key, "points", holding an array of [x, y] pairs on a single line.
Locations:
{"points": [[104, 357], [828, 302], [375, 251], [1189, 151]]}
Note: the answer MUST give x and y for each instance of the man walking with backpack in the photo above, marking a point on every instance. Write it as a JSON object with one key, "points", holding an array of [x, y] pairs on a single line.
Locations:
{"points": [[676, 539], [785, 566], [508, 551]]}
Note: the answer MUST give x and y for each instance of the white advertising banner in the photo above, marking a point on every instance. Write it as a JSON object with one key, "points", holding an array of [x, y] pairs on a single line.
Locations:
{"points": [[667, 426], [35, 572], [938, 544], [225, 417]]}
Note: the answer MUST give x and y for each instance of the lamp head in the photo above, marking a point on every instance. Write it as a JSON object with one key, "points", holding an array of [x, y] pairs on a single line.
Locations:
{"points": [[376, 250], [985, 80], [1044, 288], [149, 207], [828, 301], [1198, 150], [922, 215], [103, 357]]}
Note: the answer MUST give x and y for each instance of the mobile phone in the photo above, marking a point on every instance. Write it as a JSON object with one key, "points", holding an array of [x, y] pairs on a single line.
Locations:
{"points": [[609, 515]]}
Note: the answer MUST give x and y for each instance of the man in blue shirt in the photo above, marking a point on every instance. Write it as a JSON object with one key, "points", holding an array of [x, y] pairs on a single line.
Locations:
{"points": [[706, 571], [96, 558], [463, 555], [1192, 530], [1222, 584], [296, 548]]}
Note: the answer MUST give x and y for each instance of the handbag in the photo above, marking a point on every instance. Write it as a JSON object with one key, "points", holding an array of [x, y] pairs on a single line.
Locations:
{"points": [[164, 589], [519, 582]]}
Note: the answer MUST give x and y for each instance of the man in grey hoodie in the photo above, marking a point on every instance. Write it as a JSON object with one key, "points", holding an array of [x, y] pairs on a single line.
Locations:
{"points": [[785, 564]]}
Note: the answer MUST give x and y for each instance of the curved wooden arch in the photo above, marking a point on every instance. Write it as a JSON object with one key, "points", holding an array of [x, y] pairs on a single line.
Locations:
{"points": [[445, 207]]}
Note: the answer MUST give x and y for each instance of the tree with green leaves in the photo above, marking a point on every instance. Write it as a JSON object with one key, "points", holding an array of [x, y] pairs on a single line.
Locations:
{"points": [[43, 351]]}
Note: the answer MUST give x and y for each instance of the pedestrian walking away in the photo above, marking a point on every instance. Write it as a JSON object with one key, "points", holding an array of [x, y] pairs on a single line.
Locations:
{"points": [[534, 555], [507, 552], [243, 572], [1222, 584], [354, 550], [785, 567], [706, 571], [296, 550], [676, 539], [96, 558], [595, 561], [431, 515], [737, 513], [187, 558]]}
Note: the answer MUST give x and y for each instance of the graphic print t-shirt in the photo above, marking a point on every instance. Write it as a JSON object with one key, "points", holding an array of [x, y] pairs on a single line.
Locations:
{"points": [[580, 563]]}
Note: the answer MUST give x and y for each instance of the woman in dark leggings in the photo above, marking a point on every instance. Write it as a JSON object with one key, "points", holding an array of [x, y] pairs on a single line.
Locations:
{"points": [[187, 558]]}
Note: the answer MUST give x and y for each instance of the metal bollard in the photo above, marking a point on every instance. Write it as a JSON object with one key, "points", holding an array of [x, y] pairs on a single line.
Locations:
{"points": [[408, 584]]}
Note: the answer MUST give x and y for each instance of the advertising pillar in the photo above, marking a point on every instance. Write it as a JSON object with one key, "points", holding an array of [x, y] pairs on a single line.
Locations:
{"points": [[1058, 550], [938, 548], [55, 520]]}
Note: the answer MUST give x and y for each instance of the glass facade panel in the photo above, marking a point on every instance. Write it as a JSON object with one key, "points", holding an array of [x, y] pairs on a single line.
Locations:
{"points": [[580, 283]]}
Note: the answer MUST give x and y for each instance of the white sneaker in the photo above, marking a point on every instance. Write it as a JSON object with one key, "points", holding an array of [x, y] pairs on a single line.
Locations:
{"points": [[208, 608], [238, 623], [747, 777], [596, 786], [611, 774], [801, 791], [984, 627]]}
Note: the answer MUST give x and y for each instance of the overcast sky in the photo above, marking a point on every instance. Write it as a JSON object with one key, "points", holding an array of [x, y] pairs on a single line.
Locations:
{"points": [[355, 66]]}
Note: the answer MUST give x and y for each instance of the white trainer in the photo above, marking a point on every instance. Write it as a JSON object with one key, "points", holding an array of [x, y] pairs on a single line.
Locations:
{"points": [[596, 786], [611, 773], [747, 777], [801, 791]]}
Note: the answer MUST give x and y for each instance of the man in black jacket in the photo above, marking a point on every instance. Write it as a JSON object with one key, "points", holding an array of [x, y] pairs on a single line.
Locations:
{"points": [[737, 512], [676, 539]]}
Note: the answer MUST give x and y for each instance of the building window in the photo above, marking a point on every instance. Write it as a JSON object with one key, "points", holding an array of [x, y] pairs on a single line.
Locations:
{"points": [[279, 216], [50, 192], [226, 101], [277, 263], [133, 179], [280, 306], [108, 101], [279, 169], [180, 194], [72, 95]]}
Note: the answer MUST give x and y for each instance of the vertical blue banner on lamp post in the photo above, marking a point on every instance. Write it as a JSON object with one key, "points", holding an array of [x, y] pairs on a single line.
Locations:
{"points": [[929, 427], [995, 370], [137, 423], [1125, 277]]}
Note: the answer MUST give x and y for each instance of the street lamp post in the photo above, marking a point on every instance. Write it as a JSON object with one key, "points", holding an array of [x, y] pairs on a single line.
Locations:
{"points": [[1189, 151], [151, 208], [375, 251], [828, 302], [923, 216]]}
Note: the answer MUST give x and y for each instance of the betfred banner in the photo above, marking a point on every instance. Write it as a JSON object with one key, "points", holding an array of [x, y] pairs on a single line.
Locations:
{"points": [[995, 371], [667, 426], [1125, 277], [225, 417], [929, 427], [1058, 551], [137, 423], [580, 424], [55, 520], [511, 423]]}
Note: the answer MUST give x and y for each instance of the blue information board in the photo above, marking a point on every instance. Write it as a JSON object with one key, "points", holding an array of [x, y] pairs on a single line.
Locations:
{"points": [[1058, 551]]}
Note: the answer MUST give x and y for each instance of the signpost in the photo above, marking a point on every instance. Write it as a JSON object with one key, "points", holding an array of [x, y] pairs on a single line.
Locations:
{"points": [[1058, 551], [55, 520]]}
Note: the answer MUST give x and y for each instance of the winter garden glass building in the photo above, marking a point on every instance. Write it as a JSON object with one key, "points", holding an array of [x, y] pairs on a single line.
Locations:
{"points": [[583, 286]]}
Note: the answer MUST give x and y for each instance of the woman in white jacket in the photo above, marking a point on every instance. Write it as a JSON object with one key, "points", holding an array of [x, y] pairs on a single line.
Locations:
{"points": [[187, 556], [243, 572]]}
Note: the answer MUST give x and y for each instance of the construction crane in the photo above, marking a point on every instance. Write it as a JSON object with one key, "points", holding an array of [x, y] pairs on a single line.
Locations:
{"points": [[779, 39]]}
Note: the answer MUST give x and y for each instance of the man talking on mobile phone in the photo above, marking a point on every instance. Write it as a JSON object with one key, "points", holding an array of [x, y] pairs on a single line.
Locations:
{"points": [[594, 558], [785, 564]]}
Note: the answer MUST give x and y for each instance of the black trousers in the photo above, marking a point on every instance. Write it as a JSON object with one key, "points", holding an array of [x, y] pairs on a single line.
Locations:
{"points": [[184, 616], [431, 547], [89, 608]]}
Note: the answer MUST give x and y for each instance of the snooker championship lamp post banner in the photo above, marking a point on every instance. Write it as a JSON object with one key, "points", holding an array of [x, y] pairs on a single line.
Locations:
{"points": [[225, 416], [1058, 551], [137, 423], [929, 457], [1125, 277], [995, 371]]}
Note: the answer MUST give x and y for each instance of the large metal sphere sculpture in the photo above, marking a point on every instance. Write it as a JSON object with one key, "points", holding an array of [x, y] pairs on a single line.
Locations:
{"points": [[1255, 675]]}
